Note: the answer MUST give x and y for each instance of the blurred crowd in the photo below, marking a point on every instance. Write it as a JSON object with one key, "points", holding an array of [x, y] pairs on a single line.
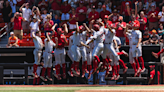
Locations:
{"points": [[33, 15]]}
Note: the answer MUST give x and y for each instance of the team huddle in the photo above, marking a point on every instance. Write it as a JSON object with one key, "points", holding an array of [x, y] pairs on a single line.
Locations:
{"points": [[89, 43]]}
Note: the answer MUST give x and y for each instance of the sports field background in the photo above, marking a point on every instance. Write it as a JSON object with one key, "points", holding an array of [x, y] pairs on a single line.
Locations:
{"points": [[81, 88]]}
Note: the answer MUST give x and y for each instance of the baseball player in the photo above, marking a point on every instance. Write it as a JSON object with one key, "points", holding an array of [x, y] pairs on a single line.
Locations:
{"points": [[108, 48], [60, 50], [71, 55], [156, 55], [79, 50], [136, 42], [37, 80], [131, 60], [37, 51], [98, 44], [47, 56]]}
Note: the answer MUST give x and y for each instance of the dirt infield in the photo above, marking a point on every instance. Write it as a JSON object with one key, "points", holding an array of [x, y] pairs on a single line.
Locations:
{"points": [[79, 85], [123, 90]]}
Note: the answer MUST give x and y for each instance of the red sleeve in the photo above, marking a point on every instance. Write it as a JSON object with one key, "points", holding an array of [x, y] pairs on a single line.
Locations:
{"points": [[116, 24], [97, 15], [77, 10], [85, 9], [52, 23], [145, 19], [152, 73], [138, 23], [124, 23], [90, 15], [149, 13]]}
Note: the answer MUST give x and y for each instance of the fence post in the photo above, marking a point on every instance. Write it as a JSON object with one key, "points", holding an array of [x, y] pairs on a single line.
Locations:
{"points": [[26, 75], [1, 75]]}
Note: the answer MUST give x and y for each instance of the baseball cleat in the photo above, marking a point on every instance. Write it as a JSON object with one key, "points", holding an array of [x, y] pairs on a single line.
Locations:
{"points": [[44, 79], [117, 77], [125, 70], [106, 74], [89, 75], [70, 73], [135, 74], [143, 70], [76, 73], [35, 75], [155, 54], [125, 53], [49, 78], [113, 77], [57, 77], [139, 70], [86, 71], [83, 74]]}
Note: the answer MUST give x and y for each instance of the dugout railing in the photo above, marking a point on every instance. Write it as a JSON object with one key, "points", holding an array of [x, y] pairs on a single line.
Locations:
{"points": [[11, 58]]}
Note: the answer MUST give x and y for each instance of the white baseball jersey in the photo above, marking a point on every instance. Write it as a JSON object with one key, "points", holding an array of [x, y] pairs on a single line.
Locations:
{"points": [[129, 35], [49, 45], [99, 36], [79, 37], [109, 35], [38, 42], [136, 35]]}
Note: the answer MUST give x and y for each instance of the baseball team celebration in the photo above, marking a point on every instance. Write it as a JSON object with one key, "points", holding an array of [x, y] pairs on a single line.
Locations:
{"points": [[82, 45]]}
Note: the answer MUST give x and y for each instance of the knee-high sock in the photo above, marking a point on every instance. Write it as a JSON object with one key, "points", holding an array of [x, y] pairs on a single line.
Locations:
{"points": [[160, 52], [122, 63], [89, 68], [58, 69], [85, 65], [136, 60], [38, 80], [83, 68], [43, 71], [113, 70], [120, 53], [134, 67], [97, 58], [64, 68], [72, 66], [76, 65], [118, 68], [95, 65], [104, 62], [142, 61], [34, 81], [49, 72], [35, 68]]}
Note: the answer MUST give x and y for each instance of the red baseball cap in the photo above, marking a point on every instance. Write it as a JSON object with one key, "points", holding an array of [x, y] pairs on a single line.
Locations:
{"points": [[104, 6], [96, 26], [152, 66], [106, 16], [60, 29], [81, 27]]}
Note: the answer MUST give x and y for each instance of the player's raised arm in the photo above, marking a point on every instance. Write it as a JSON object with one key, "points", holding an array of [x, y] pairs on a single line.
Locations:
{"points": [[100, 22], [65, 28], [48, 38], [88, 30], [110, 29], [77, 28], [53, 27], [33, 35], [56, 40]]}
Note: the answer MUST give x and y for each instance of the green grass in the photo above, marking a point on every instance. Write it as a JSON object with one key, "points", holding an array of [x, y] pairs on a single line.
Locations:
{"points": [[69, 89]]}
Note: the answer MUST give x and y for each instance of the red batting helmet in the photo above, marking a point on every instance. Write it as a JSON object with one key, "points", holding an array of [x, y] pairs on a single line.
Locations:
{"points": [[60, 29], [81, 27], [96, 26]]}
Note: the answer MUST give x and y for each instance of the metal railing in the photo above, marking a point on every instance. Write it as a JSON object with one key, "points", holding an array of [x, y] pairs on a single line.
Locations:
{"points": [[7, 29]]}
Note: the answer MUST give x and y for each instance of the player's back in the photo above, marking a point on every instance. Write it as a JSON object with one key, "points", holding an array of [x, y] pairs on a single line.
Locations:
{"points": [[109, 36], [38, 42], [49, 45]]}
